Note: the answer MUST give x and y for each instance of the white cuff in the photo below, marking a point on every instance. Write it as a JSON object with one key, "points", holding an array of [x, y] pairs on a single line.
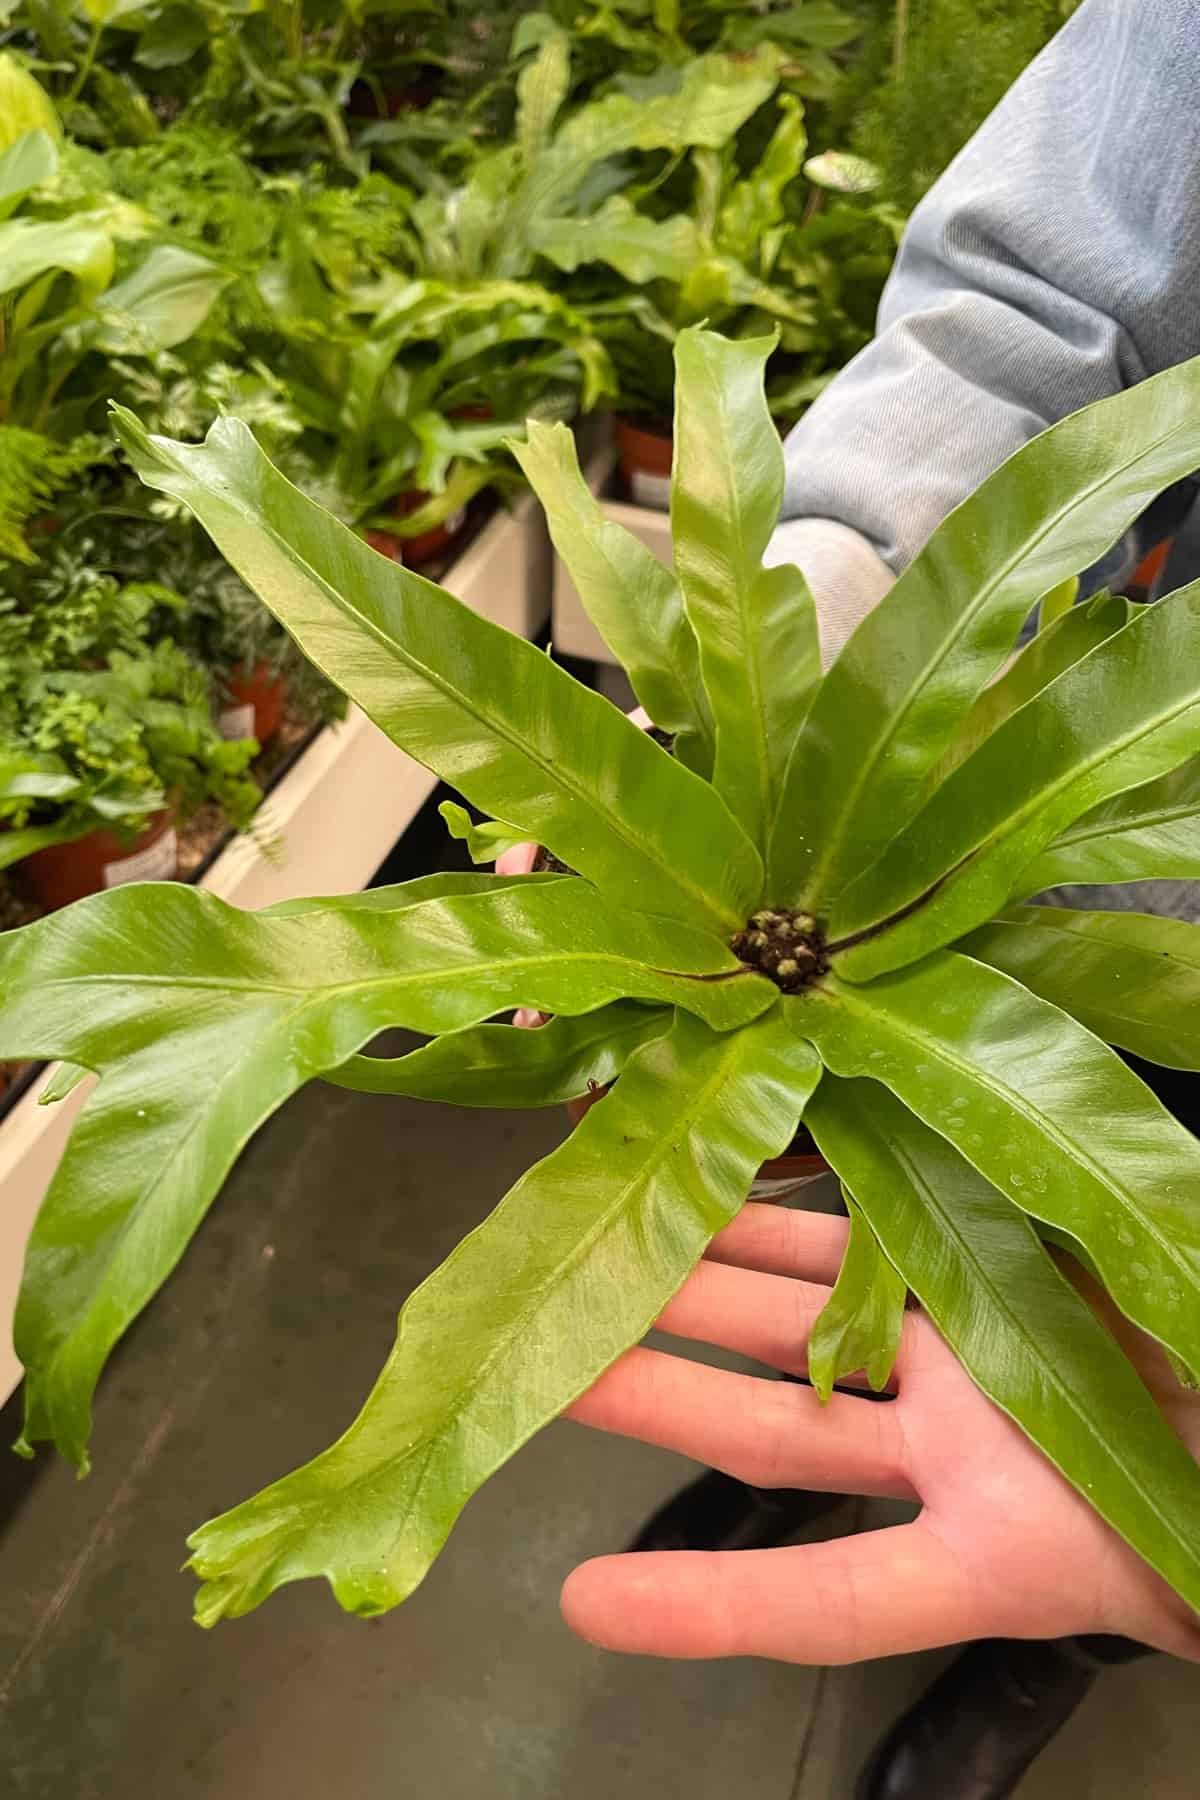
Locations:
{"points": [[847, 575]]}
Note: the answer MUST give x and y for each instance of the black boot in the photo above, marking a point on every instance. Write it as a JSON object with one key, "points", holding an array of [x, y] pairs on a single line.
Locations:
{"points": [[974, 1733], [715, 1512]]}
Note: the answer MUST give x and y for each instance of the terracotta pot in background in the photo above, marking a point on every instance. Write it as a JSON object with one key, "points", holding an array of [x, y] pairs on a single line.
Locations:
{"points": [[644, 453], [255, 705], [65, 872], [387, 544], [1145, 578], [425, 544]]}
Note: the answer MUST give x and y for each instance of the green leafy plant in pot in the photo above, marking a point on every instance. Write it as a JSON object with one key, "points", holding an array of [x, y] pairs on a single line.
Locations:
{"points": [[106, 728], [803, 913]]}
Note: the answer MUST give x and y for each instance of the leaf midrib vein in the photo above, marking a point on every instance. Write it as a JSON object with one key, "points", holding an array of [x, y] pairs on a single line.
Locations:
{"points": [[1097, 942], [749, 662], [1084, 832], [604, 1221], [523, 747], [1008, 827], [974, 1074]]}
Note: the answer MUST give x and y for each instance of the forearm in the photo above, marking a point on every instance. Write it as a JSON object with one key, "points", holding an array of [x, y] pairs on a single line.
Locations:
{"points": [[1057, 261]]}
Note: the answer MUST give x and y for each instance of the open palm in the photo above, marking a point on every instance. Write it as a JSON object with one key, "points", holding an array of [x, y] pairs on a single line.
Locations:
{"points": [[1002, 1545]]}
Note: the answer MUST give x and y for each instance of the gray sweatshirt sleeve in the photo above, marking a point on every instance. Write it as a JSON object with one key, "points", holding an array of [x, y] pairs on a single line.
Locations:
{"points": [[1056, 261]]}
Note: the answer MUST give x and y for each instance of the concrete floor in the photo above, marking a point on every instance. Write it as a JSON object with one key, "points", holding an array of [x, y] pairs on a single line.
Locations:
{"points": [[256, 1354]]}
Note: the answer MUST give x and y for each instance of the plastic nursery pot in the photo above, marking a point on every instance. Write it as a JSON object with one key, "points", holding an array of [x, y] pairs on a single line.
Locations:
{"points": [[780, 1179], [644, 454], [254, 708], [103, 859]]}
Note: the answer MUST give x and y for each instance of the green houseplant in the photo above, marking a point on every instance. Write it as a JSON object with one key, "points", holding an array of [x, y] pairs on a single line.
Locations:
{"points": [[800, 913], [105, 719]]}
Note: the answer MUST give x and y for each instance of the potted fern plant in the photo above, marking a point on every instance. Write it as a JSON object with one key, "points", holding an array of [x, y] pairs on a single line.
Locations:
{"points": [[810, 910]]}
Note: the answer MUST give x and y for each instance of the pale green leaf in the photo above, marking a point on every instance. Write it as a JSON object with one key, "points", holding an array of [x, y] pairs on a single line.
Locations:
{"points": [[570, 1270], [859, 1325], [202, 1019], [62, 1080], [541, 89], [711, 100], [630, 597], [25, 106], [756, 204], [1042, 661], [1045, 1111], [505, 1065], [756, 627], [1057, 603], [487, 711], [640, 248], [28, 161], [1144, 834], [1021, 1331], [30, 248], [1132, 978], [448, 884], [484, 842], [164, 301]]}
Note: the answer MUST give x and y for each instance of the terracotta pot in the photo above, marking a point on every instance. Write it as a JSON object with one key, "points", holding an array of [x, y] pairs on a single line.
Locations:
{"points": [[425, 544], [644, 454], [1150, 568], [387, 544], [255, 705], [65, 872]]}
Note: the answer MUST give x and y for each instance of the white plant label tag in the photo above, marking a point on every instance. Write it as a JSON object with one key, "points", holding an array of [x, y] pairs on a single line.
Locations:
{"points": [[157, 862], [237, 722], [651, 490]]}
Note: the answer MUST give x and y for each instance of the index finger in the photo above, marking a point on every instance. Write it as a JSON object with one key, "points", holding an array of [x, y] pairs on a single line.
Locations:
{"points": [[808, 1246]]}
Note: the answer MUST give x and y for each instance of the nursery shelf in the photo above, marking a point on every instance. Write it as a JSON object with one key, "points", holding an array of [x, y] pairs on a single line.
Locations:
{"points": [[332, 817]]}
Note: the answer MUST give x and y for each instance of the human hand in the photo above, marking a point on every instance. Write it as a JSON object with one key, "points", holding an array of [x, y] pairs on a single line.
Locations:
{"points": [[1003, 1546], [519, 861]]}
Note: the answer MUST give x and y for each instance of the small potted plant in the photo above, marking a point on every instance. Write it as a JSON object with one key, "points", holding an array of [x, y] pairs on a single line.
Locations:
{"points": [[106, 732], [417, 384], [805, 913], [754, 248]]}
